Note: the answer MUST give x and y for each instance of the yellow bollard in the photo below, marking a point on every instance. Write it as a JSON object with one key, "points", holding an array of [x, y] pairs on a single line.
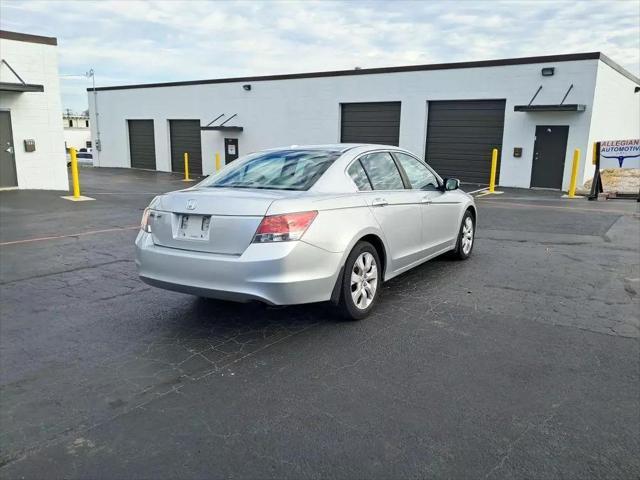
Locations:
{"points": [[74, 173], [574, 173], [75, 179], [494, 170], [594, 153], [186, 167], [217, 161]]}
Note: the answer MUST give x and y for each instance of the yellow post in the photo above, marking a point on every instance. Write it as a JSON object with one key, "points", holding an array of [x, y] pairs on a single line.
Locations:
{"points": [[594, 153], [74, 173], [574, 173], [217, 161], [186, 167], [494, 170]]}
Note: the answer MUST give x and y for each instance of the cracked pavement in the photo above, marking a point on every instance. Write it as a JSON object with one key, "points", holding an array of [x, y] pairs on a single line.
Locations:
{"points": [[520, 362]]}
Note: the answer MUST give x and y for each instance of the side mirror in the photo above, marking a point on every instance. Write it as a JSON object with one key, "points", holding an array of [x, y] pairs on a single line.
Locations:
{"points": [[451, 184]]}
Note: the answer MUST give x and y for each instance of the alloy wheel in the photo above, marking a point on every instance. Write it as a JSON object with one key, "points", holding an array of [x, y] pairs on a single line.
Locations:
{"points": [[364, 280], [467, 235]]}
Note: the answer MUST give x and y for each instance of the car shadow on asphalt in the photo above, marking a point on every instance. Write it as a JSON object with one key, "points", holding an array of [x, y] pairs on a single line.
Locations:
{"points": [[202, 336], [257, 311], [227, 314]]}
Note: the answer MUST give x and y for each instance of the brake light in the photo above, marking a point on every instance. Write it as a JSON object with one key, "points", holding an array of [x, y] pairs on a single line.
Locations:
{"points": [[145, 224], [284, 228]]}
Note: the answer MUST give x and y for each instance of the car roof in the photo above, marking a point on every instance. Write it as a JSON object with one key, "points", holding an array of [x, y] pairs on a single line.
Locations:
{"points": [[334, 147]]}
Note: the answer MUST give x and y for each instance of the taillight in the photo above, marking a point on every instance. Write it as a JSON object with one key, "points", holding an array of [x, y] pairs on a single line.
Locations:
{"points": [[284, 228], [147, 219], [144, 223]]}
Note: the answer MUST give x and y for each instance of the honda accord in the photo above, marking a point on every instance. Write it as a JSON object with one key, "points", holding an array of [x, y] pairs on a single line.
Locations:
{"points": [[304, 224]]}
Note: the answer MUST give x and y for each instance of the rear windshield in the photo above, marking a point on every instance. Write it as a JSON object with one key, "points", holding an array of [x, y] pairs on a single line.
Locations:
{"points": [[276, 170]]}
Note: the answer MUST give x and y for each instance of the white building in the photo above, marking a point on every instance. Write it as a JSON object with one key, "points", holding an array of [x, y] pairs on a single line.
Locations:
{"points": [[536, 111], [31, 136], [77, 133]]}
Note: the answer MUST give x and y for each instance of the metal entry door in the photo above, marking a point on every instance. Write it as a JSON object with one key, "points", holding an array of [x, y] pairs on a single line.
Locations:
{"points": [[230, 150], [549, 152], [8, 177]]}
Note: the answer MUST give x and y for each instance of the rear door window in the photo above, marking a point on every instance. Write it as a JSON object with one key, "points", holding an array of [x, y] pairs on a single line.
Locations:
{"points": [[382, 171]]}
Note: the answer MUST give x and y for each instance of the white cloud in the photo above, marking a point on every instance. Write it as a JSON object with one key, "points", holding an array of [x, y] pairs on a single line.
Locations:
{"points": [[136, 42]]}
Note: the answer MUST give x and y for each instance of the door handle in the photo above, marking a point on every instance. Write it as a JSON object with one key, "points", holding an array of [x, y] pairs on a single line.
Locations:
{"points": [[379, 202], [426, 200]]}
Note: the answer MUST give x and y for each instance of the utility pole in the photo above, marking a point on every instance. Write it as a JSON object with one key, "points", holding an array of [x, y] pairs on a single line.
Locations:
{"points": [[91, 74]]}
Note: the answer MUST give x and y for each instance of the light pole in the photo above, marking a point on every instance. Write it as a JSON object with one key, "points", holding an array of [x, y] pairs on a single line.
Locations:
{"points": [[91, 74]]}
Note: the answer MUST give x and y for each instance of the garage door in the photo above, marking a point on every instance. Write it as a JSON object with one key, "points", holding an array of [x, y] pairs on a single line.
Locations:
{"points": [[461, 135], [377, 122], [142, 147], [185, 137]]}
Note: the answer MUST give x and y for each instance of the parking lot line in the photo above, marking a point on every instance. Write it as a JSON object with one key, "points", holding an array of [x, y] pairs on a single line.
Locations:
{"points": [[80, 234]]}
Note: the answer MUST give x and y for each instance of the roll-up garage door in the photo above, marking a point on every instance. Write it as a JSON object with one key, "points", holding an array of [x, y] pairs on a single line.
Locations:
{"points": [[377, 122], [142, 147], [461, 135], [185, 137]]}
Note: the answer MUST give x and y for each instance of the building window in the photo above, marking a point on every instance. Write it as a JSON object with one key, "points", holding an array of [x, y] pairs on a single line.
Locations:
{"points": [[88, 144], [70, 123], [86, 123]]}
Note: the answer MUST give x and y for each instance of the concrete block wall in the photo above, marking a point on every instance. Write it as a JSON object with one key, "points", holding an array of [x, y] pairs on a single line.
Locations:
{"points": [[616, 115], [307, 110], [35, 115]]}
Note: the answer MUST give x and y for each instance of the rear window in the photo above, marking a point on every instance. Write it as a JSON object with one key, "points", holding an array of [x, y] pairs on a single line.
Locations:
{"points": [[276, 170]]}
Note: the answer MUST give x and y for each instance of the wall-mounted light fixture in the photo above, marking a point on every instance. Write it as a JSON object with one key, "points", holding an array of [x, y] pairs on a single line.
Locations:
{"points": [[247, 87], [548, 71]]}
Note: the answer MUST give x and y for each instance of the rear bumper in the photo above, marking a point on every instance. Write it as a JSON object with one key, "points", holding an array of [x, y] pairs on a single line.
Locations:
{"points": [[284, 273]]}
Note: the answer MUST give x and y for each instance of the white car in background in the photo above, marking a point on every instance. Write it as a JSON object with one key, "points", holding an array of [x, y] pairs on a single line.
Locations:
{"points": [[84, 156], [305, 224]]}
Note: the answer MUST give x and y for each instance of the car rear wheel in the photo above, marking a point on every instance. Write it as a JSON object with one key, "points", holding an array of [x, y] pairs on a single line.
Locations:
{"points": [[466, 237], [361, 282]]}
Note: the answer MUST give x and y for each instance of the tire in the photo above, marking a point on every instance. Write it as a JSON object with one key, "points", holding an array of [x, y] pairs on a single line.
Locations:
{"points": [[354, 306], [466, 234]]}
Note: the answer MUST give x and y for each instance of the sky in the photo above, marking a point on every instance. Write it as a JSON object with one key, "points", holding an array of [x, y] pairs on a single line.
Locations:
{"points": [[128, 41]]}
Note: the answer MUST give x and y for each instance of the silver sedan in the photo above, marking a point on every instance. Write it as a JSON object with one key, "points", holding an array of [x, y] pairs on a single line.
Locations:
{"points": [[305, 224]]}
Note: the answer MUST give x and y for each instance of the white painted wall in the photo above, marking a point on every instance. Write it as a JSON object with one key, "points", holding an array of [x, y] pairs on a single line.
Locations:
{"points": [[77, 137], [307, 111], [616, 115], [35, 115]]}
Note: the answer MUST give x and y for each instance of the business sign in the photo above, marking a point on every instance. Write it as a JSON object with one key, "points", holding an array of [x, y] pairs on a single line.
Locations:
{"points": [[620, 153]]}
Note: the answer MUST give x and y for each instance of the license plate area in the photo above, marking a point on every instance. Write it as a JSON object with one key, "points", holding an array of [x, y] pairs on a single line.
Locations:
{"points": [[193, 227]]}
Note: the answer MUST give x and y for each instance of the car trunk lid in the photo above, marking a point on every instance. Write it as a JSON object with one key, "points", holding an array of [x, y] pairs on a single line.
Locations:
{"points": [[213, 220]]}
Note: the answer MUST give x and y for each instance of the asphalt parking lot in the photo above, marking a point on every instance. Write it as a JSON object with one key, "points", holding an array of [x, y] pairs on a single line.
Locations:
{"points": [[522, 362]]}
